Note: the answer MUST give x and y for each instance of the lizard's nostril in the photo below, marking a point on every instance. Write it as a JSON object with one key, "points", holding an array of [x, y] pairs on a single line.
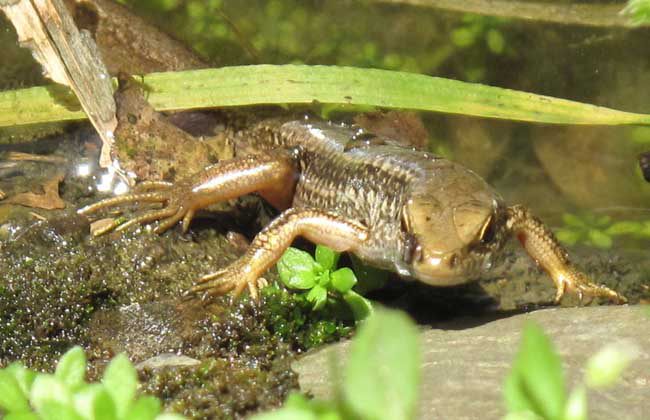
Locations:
{"points": [[453, 260]]}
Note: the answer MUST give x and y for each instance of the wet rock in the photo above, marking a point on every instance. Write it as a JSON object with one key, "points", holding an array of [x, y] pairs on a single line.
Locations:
{"points": [[478, 143], [581, 160], [145, 331], [402, 126], [465, 361], [167, 360]]}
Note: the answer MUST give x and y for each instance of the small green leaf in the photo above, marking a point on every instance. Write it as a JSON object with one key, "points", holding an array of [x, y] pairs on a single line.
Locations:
{"points": [[56, 410], [302, 281], [605, 367], [297, 400], [567, 236], [361, 307], [599, 239], [327, 257], [12, 397], [298, 260], [48, 389], [295, 261], [576, 406], [625, 227], [94, 402], [536, 382], [317, 296], [603, 221], [324, 278], [121, 382], [343, 279], [573, 220], [463, 37], [382, 374], [145, 408], [71, 368], [495, 41], [24, 376]]}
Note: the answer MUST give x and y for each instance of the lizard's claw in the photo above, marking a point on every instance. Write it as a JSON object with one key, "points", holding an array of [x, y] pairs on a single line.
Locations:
{"points": [[574, 281], [173, 210], [238, 276]]}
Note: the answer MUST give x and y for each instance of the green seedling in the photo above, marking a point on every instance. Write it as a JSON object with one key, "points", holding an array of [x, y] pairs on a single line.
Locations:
{"points": [[64, 395], [535, 387], [380, 380], [321, 282]]}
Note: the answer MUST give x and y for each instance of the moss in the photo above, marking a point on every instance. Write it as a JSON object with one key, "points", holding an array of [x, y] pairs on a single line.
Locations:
{"points": [[120, 293], [291, 317], [219, 388]]}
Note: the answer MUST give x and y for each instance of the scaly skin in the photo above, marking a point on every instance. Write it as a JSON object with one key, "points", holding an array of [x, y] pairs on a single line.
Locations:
{"points": [[399, 209]]}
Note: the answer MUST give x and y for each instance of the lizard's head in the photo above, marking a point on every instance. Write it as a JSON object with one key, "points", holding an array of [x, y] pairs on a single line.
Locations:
{"points": [[452, 228]]}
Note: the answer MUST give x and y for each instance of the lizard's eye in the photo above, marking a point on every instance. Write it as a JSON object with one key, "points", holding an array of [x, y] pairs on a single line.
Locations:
{"points": [[488, 231]]}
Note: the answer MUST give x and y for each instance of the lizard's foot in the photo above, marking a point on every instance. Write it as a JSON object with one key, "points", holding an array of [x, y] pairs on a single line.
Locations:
{"points": [[574, 281], [234, 278], [542, 245], [161, 192]]}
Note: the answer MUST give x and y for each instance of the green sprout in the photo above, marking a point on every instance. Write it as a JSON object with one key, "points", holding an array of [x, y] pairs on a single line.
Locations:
{"points": [[321, 280], [384, 362], [535, 388], [599, 231], [64, 395]]}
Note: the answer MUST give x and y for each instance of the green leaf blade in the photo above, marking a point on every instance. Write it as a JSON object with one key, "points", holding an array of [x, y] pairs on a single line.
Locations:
{"points": [[605, 367], [24, 376], [536, 382], [12, 397], [121, 382], [343, 279], [145, 408], [55, 410], [382, 374], [71, 368], [348, 87], [48, 389], [317, 296], [327, 257], [94, 402]]}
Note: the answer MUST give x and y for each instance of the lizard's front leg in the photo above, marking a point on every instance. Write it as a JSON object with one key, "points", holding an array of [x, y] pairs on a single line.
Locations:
{"points": [[544, 248], [273, 175], [268, 246]]}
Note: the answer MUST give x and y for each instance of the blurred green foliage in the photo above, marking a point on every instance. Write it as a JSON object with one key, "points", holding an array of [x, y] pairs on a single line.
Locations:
{"points": [[384, 362], [600, 231], [64, 395], [316, 32], [535, 388]]}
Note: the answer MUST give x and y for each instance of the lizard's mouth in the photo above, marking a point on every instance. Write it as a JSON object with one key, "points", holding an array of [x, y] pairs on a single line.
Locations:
{"points": [[452, 268]]}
